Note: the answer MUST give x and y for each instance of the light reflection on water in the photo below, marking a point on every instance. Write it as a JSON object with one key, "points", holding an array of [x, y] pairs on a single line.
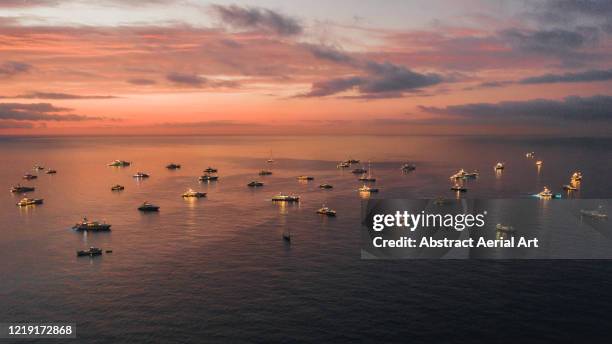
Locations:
{"points": [[221, 260]]}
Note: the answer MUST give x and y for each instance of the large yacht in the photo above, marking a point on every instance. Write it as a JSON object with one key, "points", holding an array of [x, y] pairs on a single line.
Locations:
{"points": [[255, 183], [285, 198], [29, 201], [29, 176], [141, 175], [207, 177], [546, 193], [21, 188], [93, 251], [462, 174], [326, 211], [193, 193], [367, 189], [173, 166], [86, 225], [146, 206], [119, 163]]}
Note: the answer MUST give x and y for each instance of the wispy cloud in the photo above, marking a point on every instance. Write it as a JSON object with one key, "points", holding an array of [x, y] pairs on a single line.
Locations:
{"points": [[256, 18], [54, 95], [41, 112], [573, 108], [11, 68]]}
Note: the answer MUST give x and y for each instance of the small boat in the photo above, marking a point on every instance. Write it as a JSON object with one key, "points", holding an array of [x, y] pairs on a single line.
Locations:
{"points": [[326, 211], [501, 228], [109, 251], [95, 226], [51, 171], [29, 176], [598, 213], [305, 178], [499, 166], [359, 170], [367, 177], [367, 189], [568, 187], [173, 166], [210, 170], [408, 167], [547, 194], [38, 168], [352, 161], [343, 164], [193, 193], [285, 198], [539, 163], [576, 176], [29, 201], [530, 155], [208, 178], [146, 206], [462, 174], [120, 163], [255, 183], [93, 251], [265, 172], [326, 186], [458, 187], [21, 188], [141, 175], [117, 187]]}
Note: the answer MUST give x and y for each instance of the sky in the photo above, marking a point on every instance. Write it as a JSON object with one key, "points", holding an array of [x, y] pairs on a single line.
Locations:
{"points": [[126, 67]]}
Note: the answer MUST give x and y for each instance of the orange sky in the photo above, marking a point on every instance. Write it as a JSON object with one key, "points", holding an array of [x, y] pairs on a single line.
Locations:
{"points": [[258, 70]]}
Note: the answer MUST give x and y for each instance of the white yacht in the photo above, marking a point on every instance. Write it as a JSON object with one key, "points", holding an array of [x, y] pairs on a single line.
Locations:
{"points": [[285, 198], [499, 166], [192, 193], [546, 193], [326, 211], [367, 189]]}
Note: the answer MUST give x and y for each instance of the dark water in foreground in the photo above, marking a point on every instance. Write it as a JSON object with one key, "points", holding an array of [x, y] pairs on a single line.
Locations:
{"points": [[217, 270]]}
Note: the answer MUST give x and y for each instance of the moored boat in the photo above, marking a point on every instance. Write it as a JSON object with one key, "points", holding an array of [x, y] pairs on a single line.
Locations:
{"points": [[141, 175], [193, 193], [285, 198], [92, 251], [146, 206], [95, 226], [207, 177], [210, 170], [499, 166], [29, 176], [459, 188], [255, 183], [117, 187], [29, 201], [326, 211], [173, 166], [367, 189], [20, 188], [265, 172], [326, 186], [305, 178], [120, 163]]}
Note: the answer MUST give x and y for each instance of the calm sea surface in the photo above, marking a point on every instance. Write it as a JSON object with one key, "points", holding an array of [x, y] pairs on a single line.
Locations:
{"points": [[217, 270]]}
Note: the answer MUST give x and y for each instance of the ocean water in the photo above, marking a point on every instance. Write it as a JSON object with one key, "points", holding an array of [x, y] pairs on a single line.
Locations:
{"points": [[217, 270]]}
